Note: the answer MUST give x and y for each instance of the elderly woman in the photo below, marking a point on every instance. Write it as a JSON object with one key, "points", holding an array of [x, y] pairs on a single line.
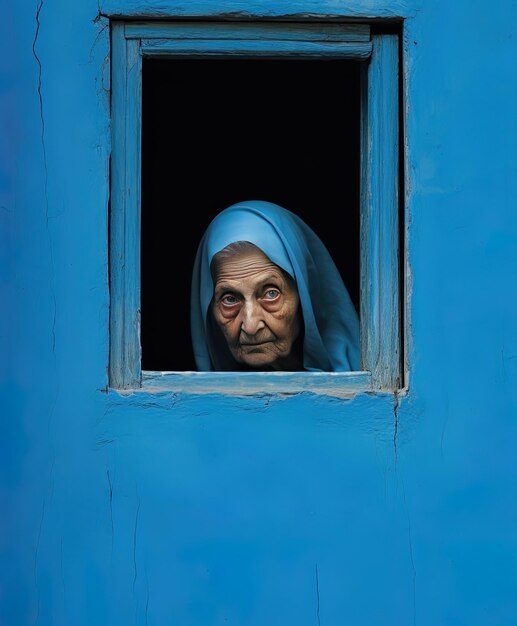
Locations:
{"points": [[267, 296]]}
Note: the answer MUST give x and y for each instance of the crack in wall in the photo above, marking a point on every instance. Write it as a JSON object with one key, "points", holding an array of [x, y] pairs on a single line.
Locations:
{"points": [[110, 485], [413, 569], [45, 165], [54, 400], [396, 424], [147, 600], [61, 572], [317, 596], [101, 30], [40, 72], [411, 557], [135, 532], [100, 13], [100, 16], [36, 553]]}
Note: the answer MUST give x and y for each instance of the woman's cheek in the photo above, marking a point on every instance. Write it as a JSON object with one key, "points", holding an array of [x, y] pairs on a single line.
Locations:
{"points": [[286, 312]]}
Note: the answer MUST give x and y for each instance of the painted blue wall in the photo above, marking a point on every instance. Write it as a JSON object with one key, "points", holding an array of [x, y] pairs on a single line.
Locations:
{"points": [[212, 510]]}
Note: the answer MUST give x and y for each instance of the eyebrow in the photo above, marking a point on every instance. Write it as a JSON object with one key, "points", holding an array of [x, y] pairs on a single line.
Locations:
{"points": [[225, 285]]}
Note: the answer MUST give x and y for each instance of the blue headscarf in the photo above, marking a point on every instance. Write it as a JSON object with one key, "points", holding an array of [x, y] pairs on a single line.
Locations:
{"points": [[331, 324]]}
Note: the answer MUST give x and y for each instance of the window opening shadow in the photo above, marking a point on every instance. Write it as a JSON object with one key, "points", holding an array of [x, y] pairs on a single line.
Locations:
{"points": [[216, 132]]}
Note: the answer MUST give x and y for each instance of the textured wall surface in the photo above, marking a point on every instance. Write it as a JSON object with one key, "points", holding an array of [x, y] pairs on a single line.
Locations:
{"points": [[211, 510]]}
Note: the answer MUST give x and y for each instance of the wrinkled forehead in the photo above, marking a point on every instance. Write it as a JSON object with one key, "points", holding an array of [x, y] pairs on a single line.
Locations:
{"points": [[244, 225], [247, 264]]}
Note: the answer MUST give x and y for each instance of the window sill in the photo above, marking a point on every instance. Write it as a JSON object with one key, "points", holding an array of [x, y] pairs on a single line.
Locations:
{"points": [[338, 384]]}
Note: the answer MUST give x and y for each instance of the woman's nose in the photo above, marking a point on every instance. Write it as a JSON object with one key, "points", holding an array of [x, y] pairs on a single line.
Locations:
{"points": [[252, 320]]}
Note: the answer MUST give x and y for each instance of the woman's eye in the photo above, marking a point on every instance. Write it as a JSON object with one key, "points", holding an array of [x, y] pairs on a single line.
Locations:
{"points": [[271, 294], [229, 300]]}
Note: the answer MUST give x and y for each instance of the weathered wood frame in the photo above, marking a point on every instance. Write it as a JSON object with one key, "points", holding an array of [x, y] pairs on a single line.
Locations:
{"points": [[380, 264]]}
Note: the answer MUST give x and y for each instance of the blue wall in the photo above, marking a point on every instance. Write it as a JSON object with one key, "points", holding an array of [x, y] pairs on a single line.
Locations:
{"points": [[208, 510]]}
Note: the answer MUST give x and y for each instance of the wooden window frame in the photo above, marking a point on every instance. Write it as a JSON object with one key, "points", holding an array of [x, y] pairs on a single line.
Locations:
{"points": [[380, 285]]}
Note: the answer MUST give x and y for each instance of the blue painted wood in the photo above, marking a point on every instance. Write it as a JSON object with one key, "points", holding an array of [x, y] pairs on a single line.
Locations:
{"points": [[118, 277], [132, 212], [125, 350], [380, 314], [277, 41], [380, 295], [248, 30], [258, 9], [256, 48], [337, 384]]}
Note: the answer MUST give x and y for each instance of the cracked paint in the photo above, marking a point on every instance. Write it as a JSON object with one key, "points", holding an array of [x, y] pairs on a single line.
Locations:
{"points": [[396, 424]]}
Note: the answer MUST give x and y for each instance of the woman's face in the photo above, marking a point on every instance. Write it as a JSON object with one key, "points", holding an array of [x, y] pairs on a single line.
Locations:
{"points": [[256, 306]]}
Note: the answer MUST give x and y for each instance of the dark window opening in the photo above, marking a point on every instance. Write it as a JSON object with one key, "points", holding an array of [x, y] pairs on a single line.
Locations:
{"points": [[215, 132]]}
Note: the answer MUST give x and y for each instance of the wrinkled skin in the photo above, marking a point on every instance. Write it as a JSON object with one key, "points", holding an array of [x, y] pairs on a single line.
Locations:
{"points": [[256, 306]]}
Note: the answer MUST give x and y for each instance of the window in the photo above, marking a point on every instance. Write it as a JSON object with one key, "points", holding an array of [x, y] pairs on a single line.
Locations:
{"points": [[350, 53]]}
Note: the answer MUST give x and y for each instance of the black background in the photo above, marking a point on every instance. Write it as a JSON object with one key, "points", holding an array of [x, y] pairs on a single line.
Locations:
{"points": [[215, 132]]}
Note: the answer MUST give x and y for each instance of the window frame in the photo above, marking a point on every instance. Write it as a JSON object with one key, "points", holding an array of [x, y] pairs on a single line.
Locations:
{"points": [[380, 245]]}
